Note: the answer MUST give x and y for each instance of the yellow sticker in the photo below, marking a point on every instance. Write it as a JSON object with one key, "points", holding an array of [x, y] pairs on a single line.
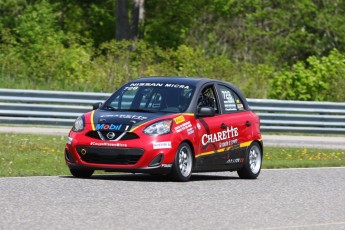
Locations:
{"points": [[179, 119]]}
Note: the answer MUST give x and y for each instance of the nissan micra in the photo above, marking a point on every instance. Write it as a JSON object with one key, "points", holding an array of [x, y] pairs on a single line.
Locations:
{"points": [[168, 125]]}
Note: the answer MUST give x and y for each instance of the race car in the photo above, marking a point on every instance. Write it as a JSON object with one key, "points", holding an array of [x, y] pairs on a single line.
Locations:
{"points": [[168, 125]]}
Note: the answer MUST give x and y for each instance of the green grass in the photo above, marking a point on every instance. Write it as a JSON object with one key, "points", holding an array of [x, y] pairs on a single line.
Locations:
{"points": [[37, 155], [32, 155], [283, 157]]}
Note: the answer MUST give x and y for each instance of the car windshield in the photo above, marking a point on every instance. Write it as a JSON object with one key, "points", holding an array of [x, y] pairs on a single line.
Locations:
{"points": [[151, 97]]}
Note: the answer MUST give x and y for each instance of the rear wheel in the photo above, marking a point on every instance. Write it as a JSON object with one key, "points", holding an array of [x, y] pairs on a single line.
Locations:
{"points": [[81, 173], [183, 164], [253, 161]]}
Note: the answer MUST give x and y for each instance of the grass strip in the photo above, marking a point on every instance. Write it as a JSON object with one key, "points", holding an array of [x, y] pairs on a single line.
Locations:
{"points": [[285, 157], [32, 155], [43, 155]]}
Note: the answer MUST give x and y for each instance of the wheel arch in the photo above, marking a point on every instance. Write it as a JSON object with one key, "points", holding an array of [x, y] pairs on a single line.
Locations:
{"points": [[261, 145], [259, 141]]}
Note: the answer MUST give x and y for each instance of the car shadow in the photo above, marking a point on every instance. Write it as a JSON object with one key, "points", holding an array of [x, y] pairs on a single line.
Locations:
{"points": [[152, 178]]}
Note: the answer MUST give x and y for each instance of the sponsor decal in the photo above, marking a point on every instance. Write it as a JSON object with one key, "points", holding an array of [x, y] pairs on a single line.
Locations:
{"points": [[219, 136], [162, 145], [108, 127], [108, 144], [227, 95], [183, 126], [228, 143], [180, 86], [113, 127], [131, 88], [230, 107], [235, 161], [147, 84], [134, 117], [125, 116], [198, 126], [190, 131], [179, 119], [229, 101]]}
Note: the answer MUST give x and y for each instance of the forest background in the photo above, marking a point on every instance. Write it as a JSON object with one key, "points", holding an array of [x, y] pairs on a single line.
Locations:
{"points": [[281, 49]]}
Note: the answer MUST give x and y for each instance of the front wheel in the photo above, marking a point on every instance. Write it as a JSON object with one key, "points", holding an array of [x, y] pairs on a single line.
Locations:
{"points": [[253, 161], [81, 173], [183, 164]]}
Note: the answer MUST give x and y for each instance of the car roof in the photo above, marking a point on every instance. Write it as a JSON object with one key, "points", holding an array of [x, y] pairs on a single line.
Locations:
{"points": [[192, 81], [177, 80]]}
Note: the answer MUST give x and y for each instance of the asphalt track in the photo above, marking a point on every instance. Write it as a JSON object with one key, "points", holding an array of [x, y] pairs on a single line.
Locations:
{"points": [[279, 199], [322, 142]]}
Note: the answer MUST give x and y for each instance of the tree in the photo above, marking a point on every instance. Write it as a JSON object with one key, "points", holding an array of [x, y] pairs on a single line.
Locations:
{"points": [[317, 79], [168, 22], [88, 19], [124, 28]]}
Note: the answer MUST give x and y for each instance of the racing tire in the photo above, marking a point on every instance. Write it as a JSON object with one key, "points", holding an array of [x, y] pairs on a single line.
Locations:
{"points": [[183, 164], [81, 173], [252, 162]]}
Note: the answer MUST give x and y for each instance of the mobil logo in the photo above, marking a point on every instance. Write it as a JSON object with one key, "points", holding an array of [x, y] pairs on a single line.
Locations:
{"points": [[108, 127]]}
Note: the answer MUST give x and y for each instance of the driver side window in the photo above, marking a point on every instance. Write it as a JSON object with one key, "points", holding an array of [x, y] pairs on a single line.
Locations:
{"points": [[208, 98]]}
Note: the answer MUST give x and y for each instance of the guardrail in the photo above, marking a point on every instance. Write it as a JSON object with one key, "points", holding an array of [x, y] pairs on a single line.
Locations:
{"points": [[61, 108]]}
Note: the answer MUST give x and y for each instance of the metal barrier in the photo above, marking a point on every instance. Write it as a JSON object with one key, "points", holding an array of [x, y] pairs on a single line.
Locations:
{"points": [[60, 108], [45, 107], [300, 116]]}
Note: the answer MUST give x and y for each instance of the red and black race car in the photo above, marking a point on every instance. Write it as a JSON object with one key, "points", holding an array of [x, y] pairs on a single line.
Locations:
{"points": [[171, 125]]}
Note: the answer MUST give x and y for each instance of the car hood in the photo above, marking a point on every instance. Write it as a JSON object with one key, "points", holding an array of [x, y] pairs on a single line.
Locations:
{"points": [[120, 121]]}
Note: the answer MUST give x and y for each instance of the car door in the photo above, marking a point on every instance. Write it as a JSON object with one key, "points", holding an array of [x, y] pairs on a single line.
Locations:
{"points": [[238, 121], [211, 132]]}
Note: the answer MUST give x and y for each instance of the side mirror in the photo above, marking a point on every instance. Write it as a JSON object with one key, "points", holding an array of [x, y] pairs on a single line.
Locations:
{"points": [[205, 111], [97, 105]]}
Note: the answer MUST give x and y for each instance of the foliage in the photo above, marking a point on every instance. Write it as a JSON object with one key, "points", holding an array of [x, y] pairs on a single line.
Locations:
{"points": [[168, 22], [279, 49], [91, 20], [38, 48], [9, 9], [271, 31], [121, 61], [321, 79]]}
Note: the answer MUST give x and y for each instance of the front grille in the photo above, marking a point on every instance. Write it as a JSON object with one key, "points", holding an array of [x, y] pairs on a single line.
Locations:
{"points": [[102, 155], [103, 135]]}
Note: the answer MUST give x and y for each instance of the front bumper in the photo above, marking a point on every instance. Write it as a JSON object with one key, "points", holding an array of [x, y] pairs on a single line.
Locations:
{"points": [[129, 156], [165, 169]]}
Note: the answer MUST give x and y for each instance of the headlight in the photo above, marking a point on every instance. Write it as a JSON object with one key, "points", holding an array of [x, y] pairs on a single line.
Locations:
{"points": [[158, 128], [79, 124]]}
